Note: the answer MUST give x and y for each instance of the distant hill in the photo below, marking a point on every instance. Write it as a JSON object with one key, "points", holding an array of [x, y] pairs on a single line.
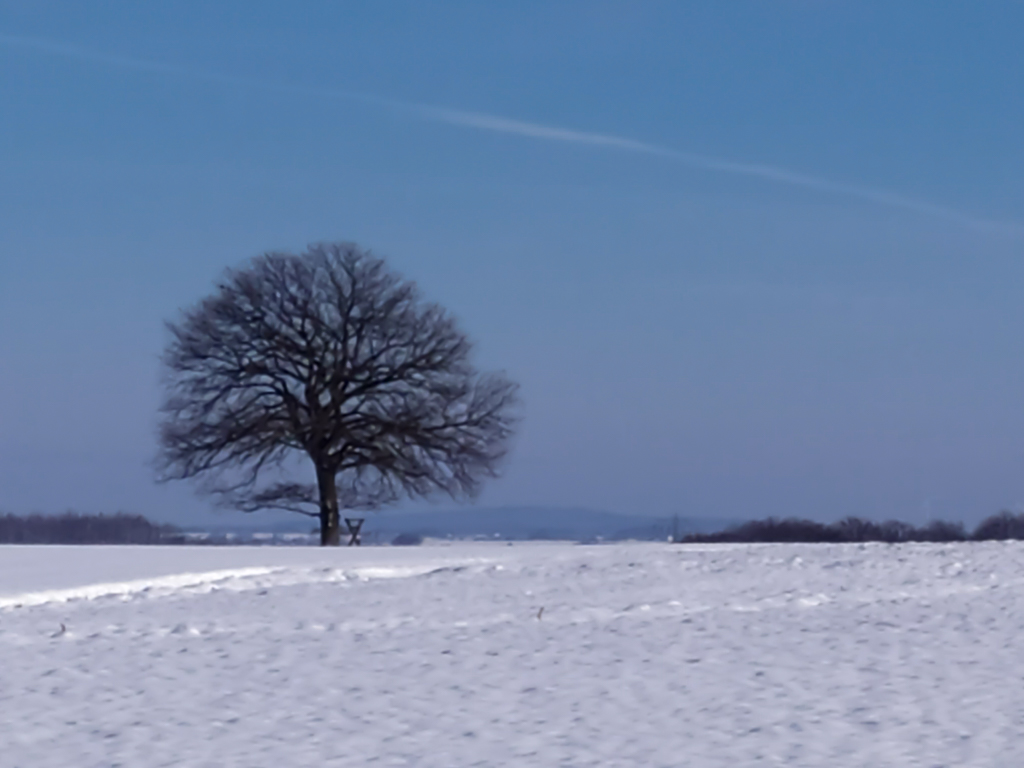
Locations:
{"points": [[501, 523]]}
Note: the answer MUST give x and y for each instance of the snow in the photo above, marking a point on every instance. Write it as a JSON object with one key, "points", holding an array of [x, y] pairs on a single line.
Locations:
{"points": [[484, 654]]}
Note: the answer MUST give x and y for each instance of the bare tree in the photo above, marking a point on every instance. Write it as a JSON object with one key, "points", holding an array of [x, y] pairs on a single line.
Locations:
{"points": [[330, 355]]}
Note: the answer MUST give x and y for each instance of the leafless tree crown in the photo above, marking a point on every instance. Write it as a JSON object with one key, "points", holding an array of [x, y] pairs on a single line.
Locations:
{"points": [[332, 355]]}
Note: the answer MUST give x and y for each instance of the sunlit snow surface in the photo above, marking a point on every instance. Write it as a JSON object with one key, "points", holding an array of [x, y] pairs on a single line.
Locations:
{"points": [[643, 655]]}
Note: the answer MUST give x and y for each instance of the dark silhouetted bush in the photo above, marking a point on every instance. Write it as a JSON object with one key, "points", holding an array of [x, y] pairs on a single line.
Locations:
{"points": [[407, 540], [72, 528], [856, 529], [1005, 525], [940, 530], [896, 531], [773, 530]]}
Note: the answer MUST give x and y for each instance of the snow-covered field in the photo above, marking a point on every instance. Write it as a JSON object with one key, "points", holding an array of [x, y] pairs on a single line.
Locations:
{"points": [[494, 655]]}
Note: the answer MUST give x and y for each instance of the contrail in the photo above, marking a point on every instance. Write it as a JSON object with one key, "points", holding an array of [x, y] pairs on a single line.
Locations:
{"points": [[496, 124], [705, 162]]}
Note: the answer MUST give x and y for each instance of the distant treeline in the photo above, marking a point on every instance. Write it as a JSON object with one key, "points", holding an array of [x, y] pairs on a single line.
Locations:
{"points": [[73, 528], [1005, 525]]}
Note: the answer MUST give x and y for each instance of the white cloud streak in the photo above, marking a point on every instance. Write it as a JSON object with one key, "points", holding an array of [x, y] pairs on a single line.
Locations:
{"points": [[537, 131]]}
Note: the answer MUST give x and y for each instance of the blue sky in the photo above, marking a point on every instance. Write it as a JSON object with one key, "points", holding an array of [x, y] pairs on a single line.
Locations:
{"points": [[745, 259]]}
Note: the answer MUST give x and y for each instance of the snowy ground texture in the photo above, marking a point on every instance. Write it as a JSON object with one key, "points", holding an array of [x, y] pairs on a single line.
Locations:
{"points": [[644, 655]]}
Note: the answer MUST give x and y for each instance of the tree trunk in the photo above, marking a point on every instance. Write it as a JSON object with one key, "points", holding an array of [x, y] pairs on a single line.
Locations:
{"points": [[330, 520]]}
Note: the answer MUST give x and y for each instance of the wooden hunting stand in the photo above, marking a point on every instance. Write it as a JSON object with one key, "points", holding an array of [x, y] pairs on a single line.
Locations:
{"points": [[354, 525]]}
